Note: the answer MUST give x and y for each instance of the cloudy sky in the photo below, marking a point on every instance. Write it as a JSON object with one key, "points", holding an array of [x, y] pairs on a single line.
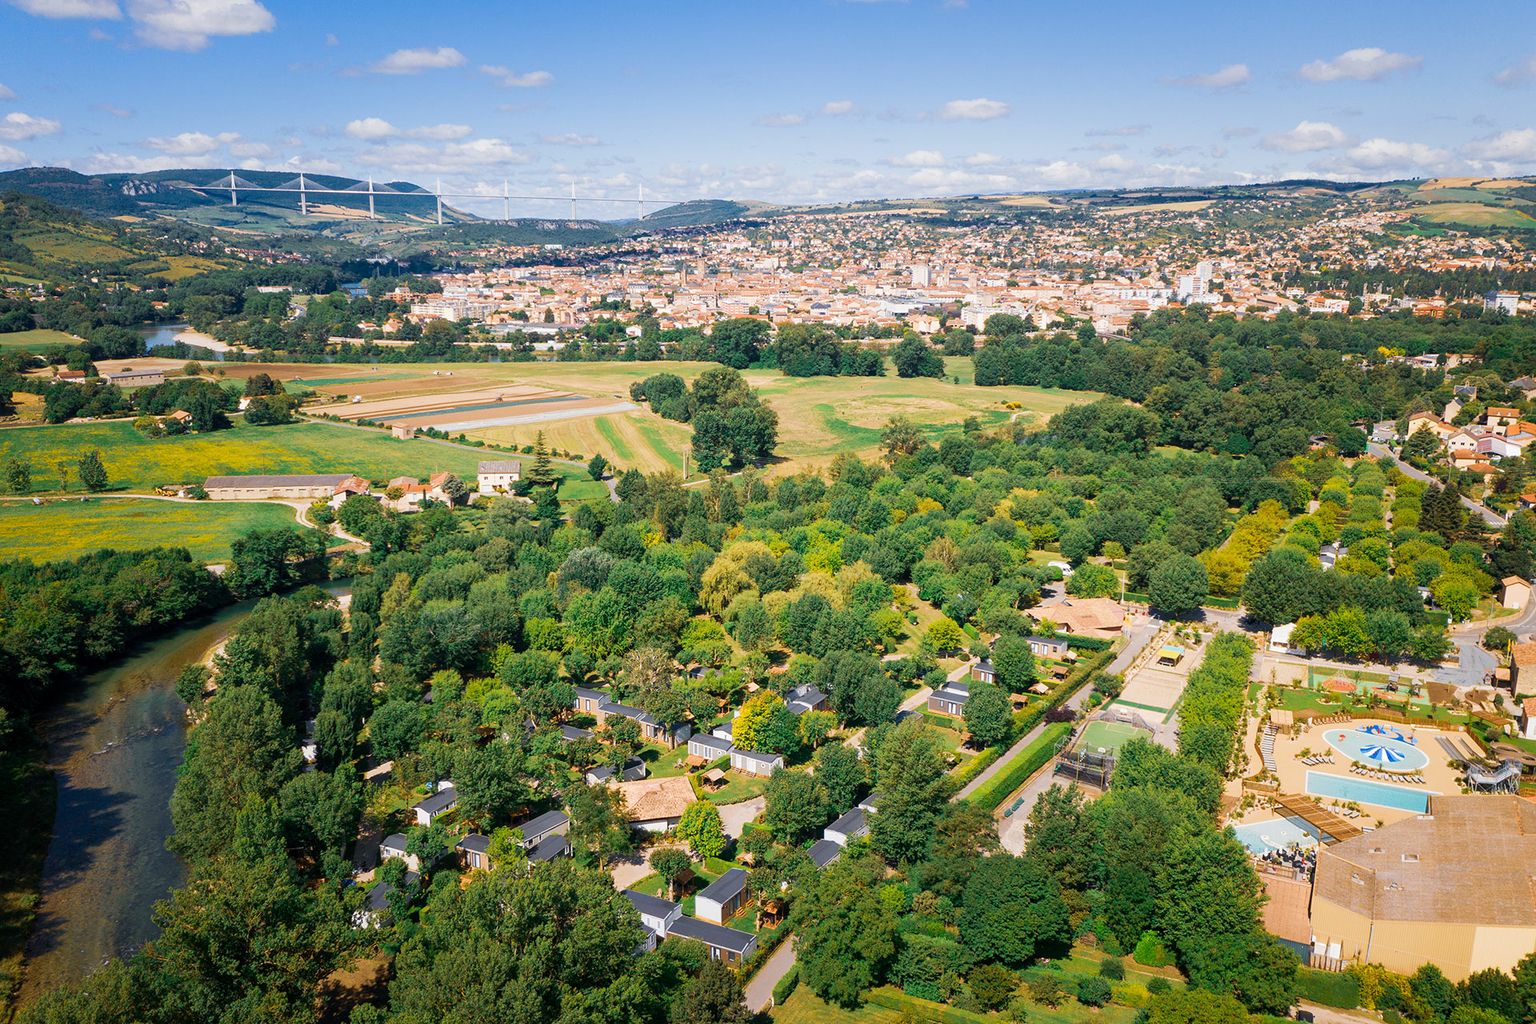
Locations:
{"points": [[781, 100]]}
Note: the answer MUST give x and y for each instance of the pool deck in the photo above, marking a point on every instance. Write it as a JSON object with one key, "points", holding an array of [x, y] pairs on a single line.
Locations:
{"points": [[1439, 776]]}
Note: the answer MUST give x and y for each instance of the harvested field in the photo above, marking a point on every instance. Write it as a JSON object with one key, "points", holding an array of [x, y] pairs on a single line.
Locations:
{"points": [[476, 408]]}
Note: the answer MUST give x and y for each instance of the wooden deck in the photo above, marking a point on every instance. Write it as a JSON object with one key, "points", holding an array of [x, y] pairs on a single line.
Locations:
{"points": [[1334, 828]]}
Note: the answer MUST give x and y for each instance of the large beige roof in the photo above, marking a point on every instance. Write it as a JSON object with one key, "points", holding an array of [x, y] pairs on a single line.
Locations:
{"points": [[654, 799], [1473, 861], [1080, 613]]}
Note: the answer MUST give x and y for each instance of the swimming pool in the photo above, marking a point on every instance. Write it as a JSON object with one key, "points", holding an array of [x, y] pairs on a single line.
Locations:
{"points": [[1363, 791], [1276, 834], [1375, 749]]}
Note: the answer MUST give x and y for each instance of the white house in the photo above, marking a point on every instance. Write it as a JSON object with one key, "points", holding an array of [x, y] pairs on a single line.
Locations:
{"points": [[848, 828], [656, 915], [436, 805], [754, 763], [497, 477]]}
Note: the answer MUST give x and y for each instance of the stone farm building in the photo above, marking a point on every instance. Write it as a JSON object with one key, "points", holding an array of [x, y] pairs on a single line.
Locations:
{"points": [[499, 476], [246, 488]]}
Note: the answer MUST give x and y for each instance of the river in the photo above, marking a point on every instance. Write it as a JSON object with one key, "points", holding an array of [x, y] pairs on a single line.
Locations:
{"points": [[164, 335], [114, 748]]}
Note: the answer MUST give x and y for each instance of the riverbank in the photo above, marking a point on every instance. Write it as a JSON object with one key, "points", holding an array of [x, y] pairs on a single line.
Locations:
{"points": [[28, 795]]}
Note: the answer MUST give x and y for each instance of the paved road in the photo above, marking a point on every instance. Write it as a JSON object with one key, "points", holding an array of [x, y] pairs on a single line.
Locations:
{"points": [[1381, 451], [759, 992]]}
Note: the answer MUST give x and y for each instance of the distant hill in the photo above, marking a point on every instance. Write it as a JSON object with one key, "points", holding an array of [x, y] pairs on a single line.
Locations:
{"points": [[700, 212]]}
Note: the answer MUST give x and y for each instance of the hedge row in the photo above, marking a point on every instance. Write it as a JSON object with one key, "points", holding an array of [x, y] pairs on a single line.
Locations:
{"points": [[968, 771], [786, 986], [1030, 760], [1329, 989]]}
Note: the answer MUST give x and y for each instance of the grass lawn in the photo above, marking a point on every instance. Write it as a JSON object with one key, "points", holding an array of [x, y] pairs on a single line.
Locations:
{"points": [[137, 463], [802, 1007], [738, 786], [663, 763], [37, 340], [68, 529]]}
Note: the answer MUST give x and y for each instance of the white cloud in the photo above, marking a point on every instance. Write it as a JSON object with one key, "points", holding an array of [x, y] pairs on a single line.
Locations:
{"points": [[12, 155], [426, 58], [1229, 77], [191, 143], [1375, 154], [1062, 172], [70, 8], [570, 139], [116, 111], [1307, 137], [1365, 64], [370, 128], [979, 109], [441, 132], [1515, 145], [415, 157], [1518, 73], [1114, 162], [6, 94], [19, 126], [780, 120], [983, 160], [919, 158], [250, 150], [188, 24], [517, 80], [833, 108]]}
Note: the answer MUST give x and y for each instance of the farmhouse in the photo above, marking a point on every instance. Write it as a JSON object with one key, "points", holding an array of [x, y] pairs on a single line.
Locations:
{"points": [[1452, 888], [247, 488], [128, 377], [499, 476]]}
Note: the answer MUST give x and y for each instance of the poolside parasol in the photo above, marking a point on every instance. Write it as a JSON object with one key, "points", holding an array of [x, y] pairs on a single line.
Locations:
{"points": [[1377, 752]]}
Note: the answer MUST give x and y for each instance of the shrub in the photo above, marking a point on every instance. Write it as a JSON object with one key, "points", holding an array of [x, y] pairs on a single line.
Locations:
{"points": [[1113, 969], [992, 985], [1150, 951], [1328, 988], [786, 985], [1157, 986], [1094, 991]]}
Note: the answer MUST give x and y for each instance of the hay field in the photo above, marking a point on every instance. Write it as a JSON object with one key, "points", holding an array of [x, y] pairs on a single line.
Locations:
{"points": [[1476, 215], [462, 408], [38, 340], [1185, 206], [68, 529]]}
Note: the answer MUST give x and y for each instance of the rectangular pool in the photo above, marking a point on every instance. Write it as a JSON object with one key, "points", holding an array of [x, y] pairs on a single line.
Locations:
{"points": [[1263, 837], [1364, 791]]}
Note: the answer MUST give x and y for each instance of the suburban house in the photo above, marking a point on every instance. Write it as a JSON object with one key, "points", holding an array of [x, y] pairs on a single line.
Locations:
{"points": [[549, 848], [634, 769], [1280, 639], [472, 852], [1329, 554], [707, 746], [497, 477], [848, 828], [1528, 718], [754, 763], [949, 699], [375, 909], [724, 943], [550, 823], [983, 672], [245, 488], [1516, 592], [1048, 647], [723, 898], [824, 852], [413, 494], [1522, 669], [597, 704], [393, 848], [1452, 888], [656, 915], [805, 698], [655, 805], [436, 805]]}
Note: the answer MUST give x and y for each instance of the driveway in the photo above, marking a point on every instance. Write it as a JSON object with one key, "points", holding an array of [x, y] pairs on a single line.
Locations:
{"points": [[734, 817], [759, 993]]}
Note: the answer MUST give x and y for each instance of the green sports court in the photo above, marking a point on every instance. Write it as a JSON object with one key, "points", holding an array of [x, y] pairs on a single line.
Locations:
{"points": [[1108, 736]]}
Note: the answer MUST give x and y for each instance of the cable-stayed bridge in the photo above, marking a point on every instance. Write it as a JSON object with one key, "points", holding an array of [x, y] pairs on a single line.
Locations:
{"points": [[305, 188]]}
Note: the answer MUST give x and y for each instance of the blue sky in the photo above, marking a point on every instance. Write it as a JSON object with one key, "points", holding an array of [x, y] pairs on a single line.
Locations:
{"points": [[790, 101]]}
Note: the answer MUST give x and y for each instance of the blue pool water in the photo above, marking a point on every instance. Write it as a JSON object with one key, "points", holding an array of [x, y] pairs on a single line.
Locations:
{"points": [[1398, 755], [1363, 791], [1277, 834]]}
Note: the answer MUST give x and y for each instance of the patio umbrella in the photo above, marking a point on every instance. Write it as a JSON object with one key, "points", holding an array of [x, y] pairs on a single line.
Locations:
{"points": [[1377, 752]]}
